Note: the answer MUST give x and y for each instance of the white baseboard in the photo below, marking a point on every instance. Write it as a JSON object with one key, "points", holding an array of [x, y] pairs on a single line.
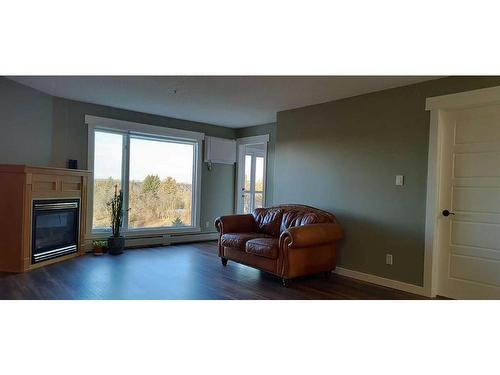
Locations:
{"points": [[394, 284]]}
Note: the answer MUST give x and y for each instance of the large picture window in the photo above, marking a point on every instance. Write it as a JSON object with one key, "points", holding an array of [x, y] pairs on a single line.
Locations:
{"points": [[156, 168], [160, 183]]}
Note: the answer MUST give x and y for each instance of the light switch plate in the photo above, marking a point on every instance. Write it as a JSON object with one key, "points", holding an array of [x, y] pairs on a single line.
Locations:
{"points": [[400, 180]]}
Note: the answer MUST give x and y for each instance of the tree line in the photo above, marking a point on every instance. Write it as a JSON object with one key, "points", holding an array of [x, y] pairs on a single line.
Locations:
{"points": [[152, 202]]}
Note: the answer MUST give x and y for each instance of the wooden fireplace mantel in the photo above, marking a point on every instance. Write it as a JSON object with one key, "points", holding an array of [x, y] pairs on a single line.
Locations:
{"points": [[19, 186]]}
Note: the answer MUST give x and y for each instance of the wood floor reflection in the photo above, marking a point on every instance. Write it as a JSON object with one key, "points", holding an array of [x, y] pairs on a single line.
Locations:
{"points": [[186, 271]]}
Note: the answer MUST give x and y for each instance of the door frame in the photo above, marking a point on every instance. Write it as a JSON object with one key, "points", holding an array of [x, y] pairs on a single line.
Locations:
{"points": [[246, 141], [438, 107]]}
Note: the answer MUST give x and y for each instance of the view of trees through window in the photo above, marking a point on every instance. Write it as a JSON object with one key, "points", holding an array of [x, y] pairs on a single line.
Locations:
{"points": [[155, 202], [253, 190], [160, 192], [107, 173]]}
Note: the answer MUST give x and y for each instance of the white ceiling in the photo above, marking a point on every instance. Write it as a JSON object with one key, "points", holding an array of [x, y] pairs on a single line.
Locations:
{"points": [[228, 101]]}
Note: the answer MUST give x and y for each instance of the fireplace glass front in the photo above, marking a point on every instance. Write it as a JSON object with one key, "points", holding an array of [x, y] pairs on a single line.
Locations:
{"points": [[55, 228]]}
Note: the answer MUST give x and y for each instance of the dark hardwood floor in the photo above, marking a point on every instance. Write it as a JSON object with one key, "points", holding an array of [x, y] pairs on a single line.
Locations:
{"points": [[187, 271]]}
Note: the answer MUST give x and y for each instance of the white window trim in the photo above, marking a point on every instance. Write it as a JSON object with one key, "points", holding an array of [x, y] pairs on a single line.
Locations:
{"points": [[253, 140], [134, 128]]}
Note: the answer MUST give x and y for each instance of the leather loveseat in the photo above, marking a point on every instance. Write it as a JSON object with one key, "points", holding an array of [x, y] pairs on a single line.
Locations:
{"points": [[287, 240]]}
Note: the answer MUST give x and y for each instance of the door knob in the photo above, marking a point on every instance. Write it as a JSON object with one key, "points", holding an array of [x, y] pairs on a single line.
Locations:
{"points": [[447, 213]]}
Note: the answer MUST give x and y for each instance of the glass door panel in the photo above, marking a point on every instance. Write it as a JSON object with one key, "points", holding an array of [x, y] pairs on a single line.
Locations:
{"points": [[252, 179], [259, 182]]}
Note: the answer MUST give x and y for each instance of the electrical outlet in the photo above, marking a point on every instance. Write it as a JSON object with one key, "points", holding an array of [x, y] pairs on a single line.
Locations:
{"points": [[207, 224], [388, 259]]}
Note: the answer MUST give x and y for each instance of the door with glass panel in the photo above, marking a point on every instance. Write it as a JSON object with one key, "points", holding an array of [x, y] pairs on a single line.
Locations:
{"points": [[252, 176]]}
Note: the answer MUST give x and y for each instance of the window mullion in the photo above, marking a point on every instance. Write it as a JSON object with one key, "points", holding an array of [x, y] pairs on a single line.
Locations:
{"points": [[125, 178]]}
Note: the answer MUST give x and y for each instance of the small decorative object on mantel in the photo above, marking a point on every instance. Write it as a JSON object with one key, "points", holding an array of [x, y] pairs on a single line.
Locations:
{"points": [[116, 242], [72, 164], [98, 247]]}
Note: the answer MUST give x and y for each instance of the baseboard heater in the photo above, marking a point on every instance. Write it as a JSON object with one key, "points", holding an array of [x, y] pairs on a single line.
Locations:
{"points": [[168, 239]]}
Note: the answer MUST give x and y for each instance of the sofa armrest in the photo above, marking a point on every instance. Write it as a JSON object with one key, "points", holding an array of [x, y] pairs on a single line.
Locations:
{"points": [[311, 235], [235, 224]]}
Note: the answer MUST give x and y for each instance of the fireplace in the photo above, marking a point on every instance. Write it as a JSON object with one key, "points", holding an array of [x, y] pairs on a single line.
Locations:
{"points": [[55, 228], [43, 216]]}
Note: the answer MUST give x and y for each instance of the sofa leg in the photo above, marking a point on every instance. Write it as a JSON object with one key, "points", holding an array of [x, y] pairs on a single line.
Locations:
{"points": [[328, 274], [224, 261], [286, 282]]}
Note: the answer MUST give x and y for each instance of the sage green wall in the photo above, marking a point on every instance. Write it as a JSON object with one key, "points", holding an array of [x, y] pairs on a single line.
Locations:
{"points": [[343, 156], [25, 125], [261, 130]]}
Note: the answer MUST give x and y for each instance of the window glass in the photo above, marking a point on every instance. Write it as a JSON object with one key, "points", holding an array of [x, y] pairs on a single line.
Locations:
{"points": [[246, 203], [160, 183], [259, 173], [248, 169], [258, 200], [107, 175]]}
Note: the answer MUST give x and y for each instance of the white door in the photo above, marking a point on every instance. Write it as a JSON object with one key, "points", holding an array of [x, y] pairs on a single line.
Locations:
{"points": [[469, 200], [251, 176]]}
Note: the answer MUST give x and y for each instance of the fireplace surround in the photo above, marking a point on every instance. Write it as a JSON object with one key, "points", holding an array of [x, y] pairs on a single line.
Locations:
{"points": [[42, 215]]}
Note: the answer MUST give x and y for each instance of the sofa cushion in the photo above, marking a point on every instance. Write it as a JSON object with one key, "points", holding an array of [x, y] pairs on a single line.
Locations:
{"points": [[268, 220], [264, 247], [239, 240], [297, 215]]}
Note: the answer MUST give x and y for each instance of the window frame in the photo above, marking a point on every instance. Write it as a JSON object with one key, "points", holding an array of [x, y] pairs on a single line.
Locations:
{"points": [[242, 143], [132, 129]]}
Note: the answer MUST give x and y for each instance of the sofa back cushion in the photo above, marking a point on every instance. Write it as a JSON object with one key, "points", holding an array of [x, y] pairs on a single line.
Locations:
{"points": [[297, 215], [268, 220]]}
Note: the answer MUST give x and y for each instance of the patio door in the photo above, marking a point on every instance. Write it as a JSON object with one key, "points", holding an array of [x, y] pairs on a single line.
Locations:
{"points": [[251, 185]]}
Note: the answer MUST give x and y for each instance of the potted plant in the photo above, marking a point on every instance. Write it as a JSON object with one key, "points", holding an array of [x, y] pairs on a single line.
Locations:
{"points": [[98, 247], [116, 242]]}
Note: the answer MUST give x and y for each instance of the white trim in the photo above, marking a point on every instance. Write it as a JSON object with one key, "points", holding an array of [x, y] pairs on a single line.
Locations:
{"points": [[467, 99], [125, 179], [90, 191], [242, 143], [394, 284], [137, 129], [256, 139], [264, 180], [438, 106], [433, 171]]}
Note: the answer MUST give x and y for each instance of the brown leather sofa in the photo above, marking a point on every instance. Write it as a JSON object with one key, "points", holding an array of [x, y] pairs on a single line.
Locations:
{"points": [[287, 241]]}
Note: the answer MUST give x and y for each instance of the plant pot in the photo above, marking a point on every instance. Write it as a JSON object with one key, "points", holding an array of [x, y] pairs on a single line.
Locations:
{"points": [[116, 245], [98, 250]]}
